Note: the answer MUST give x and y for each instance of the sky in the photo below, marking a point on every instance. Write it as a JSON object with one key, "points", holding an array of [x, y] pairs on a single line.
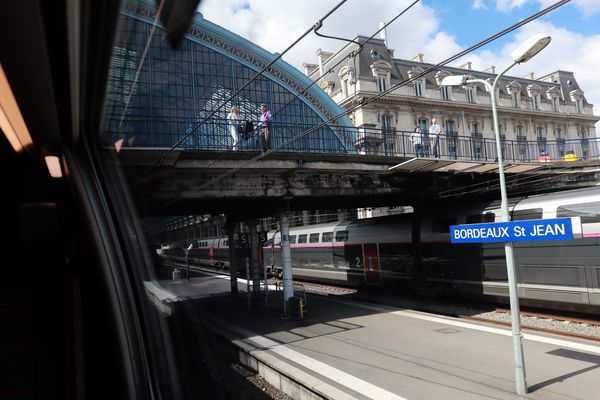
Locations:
{"points": [[436, 28]]}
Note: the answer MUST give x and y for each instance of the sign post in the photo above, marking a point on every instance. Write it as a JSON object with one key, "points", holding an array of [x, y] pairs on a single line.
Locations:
{"points": [[517, 231]]}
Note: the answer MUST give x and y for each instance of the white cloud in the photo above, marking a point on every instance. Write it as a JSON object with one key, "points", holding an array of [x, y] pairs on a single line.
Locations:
{"points": [[479, 5], [271, 25], [568, 51], [509, 5]]}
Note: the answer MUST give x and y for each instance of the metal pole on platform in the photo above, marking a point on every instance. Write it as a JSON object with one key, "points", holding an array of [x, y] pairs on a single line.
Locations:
{"points": [[232, 259], [187, 260], [248, 282], [254, 254], [286, 261], [521, 54]]}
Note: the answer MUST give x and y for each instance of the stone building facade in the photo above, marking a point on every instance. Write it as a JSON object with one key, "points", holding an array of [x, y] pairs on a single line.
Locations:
{"points": [[547, 111]]}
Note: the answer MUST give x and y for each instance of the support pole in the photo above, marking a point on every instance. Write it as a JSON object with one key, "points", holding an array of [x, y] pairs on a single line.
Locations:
{"points": [[254, 253], [286, 261], [232, 259], [248, 282]]}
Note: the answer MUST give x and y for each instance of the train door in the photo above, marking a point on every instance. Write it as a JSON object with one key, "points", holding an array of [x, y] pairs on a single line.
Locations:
{"points": [[371, 263]]}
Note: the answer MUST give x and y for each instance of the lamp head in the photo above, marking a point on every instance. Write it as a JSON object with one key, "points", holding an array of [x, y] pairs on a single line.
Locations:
{"points": [[454, 80], [530, 48], [190, 247]]}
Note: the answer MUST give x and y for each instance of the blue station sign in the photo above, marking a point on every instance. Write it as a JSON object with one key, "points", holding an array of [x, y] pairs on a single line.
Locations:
{"points": [[517, 231]]}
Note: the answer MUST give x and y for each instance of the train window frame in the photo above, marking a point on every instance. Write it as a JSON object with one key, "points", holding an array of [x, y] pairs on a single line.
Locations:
{"points": [[314, 238], [480, 218], [561, 212], [442, 224], [302, 238], [342, 236], [527, 214], [292, 239], [327, 237]]}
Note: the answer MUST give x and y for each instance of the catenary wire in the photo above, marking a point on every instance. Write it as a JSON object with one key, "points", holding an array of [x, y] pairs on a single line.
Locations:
{"points": [[353, 54], [316, 26], [392, 88]]}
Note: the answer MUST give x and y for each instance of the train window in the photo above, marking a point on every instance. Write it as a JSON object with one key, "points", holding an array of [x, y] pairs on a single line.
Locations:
{"points": [[442, 225], [292, 239], [479, 218], [313, 238], [302, 238], [589, 212], [532, 213], [327, 237], [341, 236], [225, 243]]}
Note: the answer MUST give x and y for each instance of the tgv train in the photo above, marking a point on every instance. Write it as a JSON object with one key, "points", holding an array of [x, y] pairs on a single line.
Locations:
{"points": [[414, 249]]}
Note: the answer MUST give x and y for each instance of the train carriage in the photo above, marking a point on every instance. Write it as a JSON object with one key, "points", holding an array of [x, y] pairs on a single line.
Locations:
{"points": [[413, 249]]}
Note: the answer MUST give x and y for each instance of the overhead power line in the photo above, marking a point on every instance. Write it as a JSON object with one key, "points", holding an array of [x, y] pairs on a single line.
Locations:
{"points": [[353, 54], [314, 27], [391, 89]]}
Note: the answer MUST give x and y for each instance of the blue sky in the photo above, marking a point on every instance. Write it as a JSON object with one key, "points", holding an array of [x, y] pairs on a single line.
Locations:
{"points": [[436, 28]]}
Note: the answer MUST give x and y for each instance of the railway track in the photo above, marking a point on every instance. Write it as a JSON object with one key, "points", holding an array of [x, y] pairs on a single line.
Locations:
{"points": [[577, 327]]}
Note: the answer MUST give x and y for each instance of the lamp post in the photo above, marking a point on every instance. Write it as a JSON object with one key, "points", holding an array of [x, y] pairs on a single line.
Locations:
{"points": [[187, 260], [522, 54]]}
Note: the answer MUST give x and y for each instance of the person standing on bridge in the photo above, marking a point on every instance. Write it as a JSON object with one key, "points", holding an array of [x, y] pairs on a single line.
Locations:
{"points": [[417, 140], [233, 121], [435, 130], [264, 127]]}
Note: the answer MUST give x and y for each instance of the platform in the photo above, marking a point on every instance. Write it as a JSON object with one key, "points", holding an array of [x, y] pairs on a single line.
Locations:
{"points": [[352, 350]]}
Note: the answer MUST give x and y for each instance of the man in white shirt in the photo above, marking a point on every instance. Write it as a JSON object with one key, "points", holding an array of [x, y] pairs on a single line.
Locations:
{"points": [[435, 130]]}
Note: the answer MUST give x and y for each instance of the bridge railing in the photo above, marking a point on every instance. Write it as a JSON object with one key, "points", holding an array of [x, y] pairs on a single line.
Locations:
{"points": [[215, 135]]}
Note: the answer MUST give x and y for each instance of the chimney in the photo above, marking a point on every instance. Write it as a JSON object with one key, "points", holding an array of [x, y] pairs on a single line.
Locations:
{"points": [[323, 56], [490, 69], [466, 65], [383, 33], [309, 68], [418, 58]]}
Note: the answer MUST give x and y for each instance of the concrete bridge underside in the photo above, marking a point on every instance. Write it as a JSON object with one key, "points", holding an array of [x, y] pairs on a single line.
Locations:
{"points": [[180, 186]]}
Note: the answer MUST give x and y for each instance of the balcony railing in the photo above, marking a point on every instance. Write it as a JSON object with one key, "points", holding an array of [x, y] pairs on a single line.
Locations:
{"points": [[215, 135]]}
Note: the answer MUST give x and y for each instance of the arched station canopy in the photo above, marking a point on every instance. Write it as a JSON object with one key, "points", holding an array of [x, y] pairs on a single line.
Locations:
{"points": [[157, 96]]}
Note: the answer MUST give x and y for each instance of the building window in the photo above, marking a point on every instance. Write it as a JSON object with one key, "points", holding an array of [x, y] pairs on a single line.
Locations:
{"points": [[386, 123], [469, 92], [449, 127], [345, 91], [515, 99], [555, 104], [536, 102], [578, 107], [445, 91], [418, 90], [381, 83]]}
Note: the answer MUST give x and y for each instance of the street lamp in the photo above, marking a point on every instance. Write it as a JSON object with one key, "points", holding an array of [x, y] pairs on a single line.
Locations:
{"points": [[521, 54]]}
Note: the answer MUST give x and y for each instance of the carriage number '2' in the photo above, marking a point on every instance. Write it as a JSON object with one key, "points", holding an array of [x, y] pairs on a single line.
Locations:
{"points": [[358, 263]]}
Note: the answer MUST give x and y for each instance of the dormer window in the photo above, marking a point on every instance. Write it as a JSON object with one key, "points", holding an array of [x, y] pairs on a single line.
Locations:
{"points": [[346, 76], [514, 89], [381, 70], [470, 93], [381, 83], [536, 101], [418, 89], [534, 91], [553, 94], [445, 92]]}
